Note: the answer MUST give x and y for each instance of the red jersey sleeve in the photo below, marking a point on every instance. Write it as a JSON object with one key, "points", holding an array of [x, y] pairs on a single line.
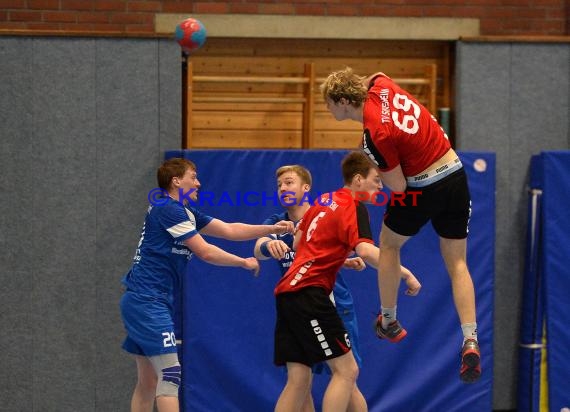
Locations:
{"points": [[355, 227], [301, 225]]}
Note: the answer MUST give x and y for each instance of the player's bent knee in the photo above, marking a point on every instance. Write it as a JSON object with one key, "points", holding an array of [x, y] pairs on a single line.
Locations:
{"points": [[345, 368], [169, 381], [169, 374], [350, 372]]}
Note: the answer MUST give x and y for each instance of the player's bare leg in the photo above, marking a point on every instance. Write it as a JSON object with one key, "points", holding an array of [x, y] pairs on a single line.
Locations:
{"points": [[389, 275], [167, 404], [309, 404], [357, 402], [296, 389], [454, 255], [341, 386], [145, 389]]}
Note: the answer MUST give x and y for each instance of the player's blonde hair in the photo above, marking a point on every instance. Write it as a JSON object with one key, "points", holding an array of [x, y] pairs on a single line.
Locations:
{"points": [[344, 84], [301, 171]]}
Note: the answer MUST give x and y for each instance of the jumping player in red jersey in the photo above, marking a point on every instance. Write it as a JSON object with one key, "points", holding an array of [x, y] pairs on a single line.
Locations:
{"points": [[413, 153], [308, 328]]}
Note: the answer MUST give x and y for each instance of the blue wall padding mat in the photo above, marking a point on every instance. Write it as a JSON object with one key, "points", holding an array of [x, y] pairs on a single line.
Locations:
{"points": [[532, 308], [546, 284], [228, 315]]}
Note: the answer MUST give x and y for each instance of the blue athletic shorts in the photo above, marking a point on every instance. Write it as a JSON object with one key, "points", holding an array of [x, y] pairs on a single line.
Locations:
{"points": [[149, 325]]}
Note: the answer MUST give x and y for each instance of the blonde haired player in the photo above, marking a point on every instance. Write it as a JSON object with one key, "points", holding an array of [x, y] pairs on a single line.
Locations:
{"points": [[412, 152], [296, 343]]}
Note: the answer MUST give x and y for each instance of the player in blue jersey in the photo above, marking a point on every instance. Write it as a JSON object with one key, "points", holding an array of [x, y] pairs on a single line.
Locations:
{"points": [[293, 186], [171, 234]]}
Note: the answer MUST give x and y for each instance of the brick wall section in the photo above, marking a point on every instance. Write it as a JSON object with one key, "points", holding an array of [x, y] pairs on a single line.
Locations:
{"points": [[497, 17]]}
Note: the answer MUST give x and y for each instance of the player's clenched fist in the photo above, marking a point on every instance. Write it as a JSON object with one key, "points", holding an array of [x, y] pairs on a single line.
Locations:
{"points": [[355, 263], [277, 249], [412, 282], [283, 226], [252, 264]]}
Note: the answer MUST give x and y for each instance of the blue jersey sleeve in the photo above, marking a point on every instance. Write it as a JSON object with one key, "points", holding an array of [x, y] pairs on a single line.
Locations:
{"points": [[201, 219], [177, 221]]}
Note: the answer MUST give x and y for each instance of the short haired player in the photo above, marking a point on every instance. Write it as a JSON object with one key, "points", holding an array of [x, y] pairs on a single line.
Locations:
{"points": [[413, 153], [309, 329], [171, 234], [293, 187]]}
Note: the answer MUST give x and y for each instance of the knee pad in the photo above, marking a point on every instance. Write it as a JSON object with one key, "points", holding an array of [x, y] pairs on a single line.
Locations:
{"points": [[169, 374]]}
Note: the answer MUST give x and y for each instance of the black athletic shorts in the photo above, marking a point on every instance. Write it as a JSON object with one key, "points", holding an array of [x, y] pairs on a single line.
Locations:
{"points": [[308, 328], [446, 203]]}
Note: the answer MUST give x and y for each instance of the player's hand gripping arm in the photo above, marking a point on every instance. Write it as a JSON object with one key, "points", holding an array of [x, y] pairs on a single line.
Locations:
{"points": [[276, 248]]}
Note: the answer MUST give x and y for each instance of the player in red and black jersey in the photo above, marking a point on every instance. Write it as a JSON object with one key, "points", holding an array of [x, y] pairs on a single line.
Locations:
{"points": [[413, 154], [308, 328]]}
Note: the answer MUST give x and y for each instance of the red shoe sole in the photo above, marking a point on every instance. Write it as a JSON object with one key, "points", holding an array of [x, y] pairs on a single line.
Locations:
{"points": [[398, 338], [471, 366]]}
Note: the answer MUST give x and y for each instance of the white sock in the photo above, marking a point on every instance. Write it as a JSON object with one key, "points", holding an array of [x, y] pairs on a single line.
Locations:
{"points": [[469, 331], [388, 316]]}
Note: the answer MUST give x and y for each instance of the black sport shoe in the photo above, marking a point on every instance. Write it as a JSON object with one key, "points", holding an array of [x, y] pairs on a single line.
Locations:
{"points": [[470, 362], [395, 332]]}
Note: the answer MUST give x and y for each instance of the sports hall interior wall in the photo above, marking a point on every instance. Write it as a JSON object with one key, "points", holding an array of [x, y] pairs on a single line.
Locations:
{"points": [[513, 99], [105, 16], [84, 124], [279, 93]]}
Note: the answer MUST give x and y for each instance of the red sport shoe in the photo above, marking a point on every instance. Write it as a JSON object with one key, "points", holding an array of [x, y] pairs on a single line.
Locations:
{"points": [[470, 362], [394, 333]]}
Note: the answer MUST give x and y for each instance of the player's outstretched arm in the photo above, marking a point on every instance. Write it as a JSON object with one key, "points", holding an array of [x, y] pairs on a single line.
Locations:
{"points": [[368, 252], [219, 257], [371, 254], [243, 231]]}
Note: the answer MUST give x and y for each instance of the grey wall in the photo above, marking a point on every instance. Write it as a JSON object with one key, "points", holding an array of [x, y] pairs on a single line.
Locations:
{"points": [[83, 126], [512, 99]]}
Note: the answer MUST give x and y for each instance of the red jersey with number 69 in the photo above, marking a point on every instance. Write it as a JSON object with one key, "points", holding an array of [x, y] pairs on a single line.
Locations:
{"points": [[398, 130], [331, 228]]}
